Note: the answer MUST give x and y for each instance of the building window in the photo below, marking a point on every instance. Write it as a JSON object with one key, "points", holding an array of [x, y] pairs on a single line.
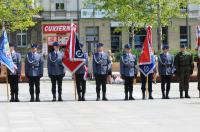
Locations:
{"points": [[60, 5], [21, 37], [139, 38], [183, 35], [92, 37], [165, 35], [116, 42]]}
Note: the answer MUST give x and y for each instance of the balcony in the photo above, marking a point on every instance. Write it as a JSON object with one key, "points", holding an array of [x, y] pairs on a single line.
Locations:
{"points": [[59, 15]]}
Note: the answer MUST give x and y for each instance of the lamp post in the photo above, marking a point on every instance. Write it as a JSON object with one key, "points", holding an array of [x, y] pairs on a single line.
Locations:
{"points": [[187, 25]]}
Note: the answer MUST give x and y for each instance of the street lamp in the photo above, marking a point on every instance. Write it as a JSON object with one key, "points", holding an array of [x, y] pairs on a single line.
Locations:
{"points": [[187, 25]]}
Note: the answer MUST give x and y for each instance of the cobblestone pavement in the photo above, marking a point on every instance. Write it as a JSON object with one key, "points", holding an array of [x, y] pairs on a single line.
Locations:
{"points": [[116, 115]]}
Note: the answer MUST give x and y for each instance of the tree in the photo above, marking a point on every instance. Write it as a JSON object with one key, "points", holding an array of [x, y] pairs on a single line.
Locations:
{"points": [[18, 14], [139, 13]]}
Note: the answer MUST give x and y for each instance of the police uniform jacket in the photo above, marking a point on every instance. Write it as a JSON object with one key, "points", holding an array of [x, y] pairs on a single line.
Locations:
{"points": [[128, 65], [55, 66], [101, 63], [34, 64], [166, 64], [16, 57]]}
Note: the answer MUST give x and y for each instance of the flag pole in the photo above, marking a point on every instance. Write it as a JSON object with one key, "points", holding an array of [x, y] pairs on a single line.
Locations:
{"points": [[75, 93], [147, 86], [7, 87]]}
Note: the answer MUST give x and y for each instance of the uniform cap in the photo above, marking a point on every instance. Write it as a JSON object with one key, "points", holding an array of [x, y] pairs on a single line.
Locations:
{"points": [[34, 46], [55, 43], [127, 46]]}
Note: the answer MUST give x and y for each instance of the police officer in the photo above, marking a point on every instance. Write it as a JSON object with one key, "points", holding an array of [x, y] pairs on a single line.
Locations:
{"points": [[56, 70], [34, 71], [81, 78], [128, 70], [101, 65], [184, 68], [166, 70], [13, 78]]}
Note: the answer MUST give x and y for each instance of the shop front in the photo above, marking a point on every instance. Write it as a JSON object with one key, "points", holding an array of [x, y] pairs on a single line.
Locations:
{"points": [[52, 32]]}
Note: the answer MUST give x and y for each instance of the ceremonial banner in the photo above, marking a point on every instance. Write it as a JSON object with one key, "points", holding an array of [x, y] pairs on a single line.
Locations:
{"points": [[74, 56], [5, 56], [147, 60]]}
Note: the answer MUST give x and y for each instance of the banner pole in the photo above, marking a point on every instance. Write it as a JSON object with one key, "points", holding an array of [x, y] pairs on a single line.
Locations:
{"points": [[75, 92], [7, 87], [147, 86]]}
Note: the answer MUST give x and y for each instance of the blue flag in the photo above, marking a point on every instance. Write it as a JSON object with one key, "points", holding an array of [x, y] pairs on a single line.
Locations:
{"points": [[5, 56]]}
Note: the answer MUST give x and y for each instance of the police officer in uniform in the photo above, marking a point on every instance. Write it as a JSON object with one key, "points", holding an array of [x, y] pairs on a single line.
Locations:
{"points": [[56, 70], [184, 68], [101, 65], [13, 78], [166, 70], [81, 78], [34, 71], [128, 70]]}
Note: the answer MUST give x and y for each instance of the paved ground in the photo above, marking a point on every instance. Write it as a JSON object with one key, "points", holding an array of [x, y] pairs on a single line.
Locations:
{"points": [[116, 115]]}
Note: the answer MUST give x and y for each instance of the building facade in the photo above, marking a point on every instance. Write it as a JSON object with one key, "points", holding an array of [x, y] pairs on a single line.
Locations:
{"points": [[54, 25]]}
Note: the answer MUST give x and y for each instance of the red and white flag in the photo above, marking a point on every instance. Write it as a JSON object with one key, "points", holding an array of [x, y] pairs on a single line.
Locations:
{"points": [[147, 59], [73, 57]]}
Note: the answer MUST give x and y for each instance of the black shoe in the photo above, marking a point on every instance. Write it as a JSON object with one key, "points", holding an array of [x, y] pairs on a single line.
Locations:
{"points": [[79, 99], [54, 98], [187, 95], [143, 96], [150, 96], [32, 98], [83, 99], [181, 94], [163, 97], [131, 98], [16, 99], [126, 97], [167, 97], [12, 99], [37, 98], [104, 99], [60, 98], [98, 99]]}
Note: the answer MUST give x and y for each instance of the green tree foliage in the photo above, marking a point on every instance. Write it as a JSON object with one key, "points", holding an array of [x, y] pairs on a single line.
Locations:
{"points": [[18, 13], [139, 13]]}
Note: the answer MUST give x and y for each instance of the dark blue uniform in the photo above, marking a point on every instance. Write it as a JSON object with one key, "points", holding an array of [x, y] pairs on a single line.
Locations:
{"points": [[80, 80], [166, 70], [128, 71], [56, 72], [13, 78], [34, 71], [101, 66]]}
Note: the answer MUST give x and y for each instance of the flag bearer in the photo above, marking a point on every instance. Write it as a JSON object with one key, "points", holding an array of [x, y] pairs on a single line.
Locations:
{"points": [[56, 70], [13, 78], [128, 71], [81, 75], [101, 66], [166, 70], [34, 71]]}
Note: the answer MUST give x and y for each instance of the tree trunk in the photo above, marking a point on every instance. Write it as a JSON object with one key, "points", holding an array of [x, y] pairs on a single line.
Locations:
{"points": [[159, 28], [133, 34]]}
